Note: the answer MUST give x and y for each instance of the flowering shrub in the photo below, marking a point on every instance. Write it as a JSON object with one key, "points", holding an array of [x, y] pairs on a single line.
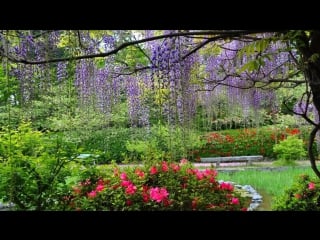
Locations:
{"points": [[245, 142], [158, 187], [303, 195]]}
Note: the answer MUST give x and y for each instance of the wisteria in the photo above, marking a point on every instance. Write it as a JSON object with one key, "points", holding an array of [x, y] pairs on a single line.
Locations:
{"points": [[222, 74]]}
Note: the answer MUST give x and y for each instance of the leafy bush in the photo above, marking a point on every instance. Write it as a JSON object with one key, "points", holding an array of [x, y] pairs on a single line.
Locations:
{"points": [[33, 167], [303, 195], [164, 142], [289, 149], [161, 186]]}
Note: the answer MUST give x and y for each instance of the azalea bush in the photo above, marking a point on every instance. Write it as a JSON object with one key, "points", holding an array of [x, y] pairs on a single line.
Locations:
{"points": [[161, 186], [249, 141], [303, 195]]}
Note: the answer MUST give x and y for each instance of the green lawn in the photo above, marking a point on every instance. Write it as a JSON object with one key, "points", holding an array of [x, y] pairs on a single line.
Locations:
{"points": [[269, 183]]}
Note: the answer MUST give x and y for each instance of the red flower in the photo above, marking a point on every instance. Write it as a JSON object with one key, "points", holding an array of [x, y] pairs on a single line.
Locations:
{"points": [[145, 197], [194, 203], [298, 196], [175, 167], [140, 173], [165, 167], [295, 131], [226, 186], [128, 202], [153, 170]]}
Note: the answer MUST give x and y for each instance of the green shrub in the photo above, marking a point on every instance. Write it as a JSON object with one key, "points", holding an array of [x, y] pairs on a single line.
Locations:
{"points": [[164, 142], [33, 167], [289, 149], [303, 195]]}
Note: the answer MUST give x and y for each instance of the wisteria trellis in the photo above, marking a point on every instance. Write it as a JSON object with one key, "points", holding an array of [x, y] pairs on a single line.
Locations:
{"points": [[168, 71]]}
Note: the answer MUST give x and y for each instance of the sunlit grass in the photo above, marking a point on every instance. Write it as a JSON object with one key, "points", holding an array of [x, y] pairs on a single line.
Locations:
{"points": [[272, 182]]}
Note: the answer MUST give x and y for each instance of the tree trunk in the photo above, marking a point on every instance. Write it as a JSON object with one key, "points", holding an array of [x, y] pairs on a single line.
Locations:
{"points": [[309, 46]]}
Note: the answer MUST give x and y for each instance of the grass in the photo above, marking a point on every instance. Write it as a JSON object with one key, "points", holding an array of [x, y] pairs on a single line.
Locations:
{"points": [[270, 182]]}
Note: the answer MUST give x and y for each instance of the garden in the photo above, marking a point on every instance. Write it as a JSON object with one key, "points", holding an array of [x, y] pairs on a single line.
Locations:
{"points": [[119, 120]]}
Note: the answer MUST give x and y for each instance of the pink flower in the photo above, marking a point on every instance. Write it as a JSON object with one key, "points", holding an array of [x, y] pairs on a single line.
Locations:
{"points": [[153, 170], [99, 188], [126, 183], [183, 161], [123, 176], [226, 186], [210, 172], [199, 175], [131, 189], [235, 201], [92, 194], [175, 167], [100, 182], [212, 180], [165, 167], [311, 186], [158, 194]]}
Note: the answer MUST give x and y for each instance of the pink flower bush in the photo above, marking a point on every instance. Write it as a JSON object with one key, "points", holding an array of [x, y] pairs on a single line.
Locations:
{"points": [[161, 186], [303, 195]]}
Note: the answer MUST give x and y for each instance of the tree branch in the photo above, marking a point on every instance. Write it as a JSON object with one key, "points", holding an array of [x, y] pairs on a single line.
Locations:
{"points": [[221, 35]]}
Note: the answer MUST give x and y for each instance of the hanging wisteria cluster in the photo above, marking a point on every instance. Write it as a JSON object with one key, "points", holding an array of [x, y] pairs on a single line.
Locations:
{"points": [[171, 72], [168, 84]]}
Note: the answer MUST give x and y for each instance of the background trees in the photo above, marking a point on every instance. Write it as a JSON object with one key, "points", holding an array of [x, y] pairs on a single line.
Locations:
{"points": [[77, 81]]}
